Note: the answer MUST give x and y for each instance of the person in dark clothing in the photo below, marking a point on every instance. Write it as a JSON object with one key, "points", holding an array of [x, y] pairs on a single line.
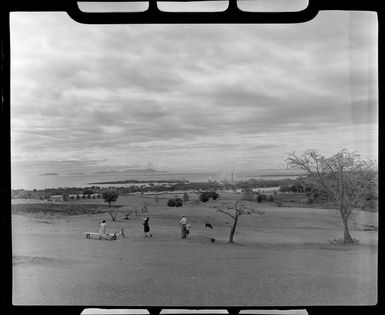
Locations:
{"points": [[183, 223], [146, 227]]}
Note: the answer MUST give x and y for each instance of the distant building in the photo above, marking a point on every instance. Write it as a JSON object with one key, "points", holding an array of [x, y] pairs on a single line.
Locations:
{"points": [[56, 198]]}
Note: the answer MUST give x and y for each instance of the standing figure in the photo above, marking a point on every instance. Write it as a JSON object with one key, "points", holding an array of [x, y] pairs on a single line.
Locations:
{"points": [[146, 226], [103, 226], [183, 223]]}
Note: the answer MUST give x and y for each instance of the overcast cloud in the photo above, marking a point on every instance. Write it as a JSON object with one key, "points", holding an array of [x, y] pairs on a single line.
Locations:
{"points": [[190, 96]]}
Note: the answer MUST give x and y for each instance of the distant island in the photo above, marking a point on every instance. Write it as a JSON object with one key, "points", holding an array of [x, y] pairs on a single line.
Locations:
{"points": [[146, 170], [49, 174]]}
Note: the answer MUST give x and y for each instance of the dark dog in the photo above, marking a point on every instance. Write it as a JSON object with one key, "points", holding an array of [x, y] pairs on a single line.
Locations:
{"points": [[208, 225]]}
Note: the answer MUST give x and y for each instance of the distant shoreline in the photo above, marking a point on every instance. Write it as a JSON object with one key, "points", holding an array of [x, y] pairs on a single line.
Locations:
{"points": [[136, 181], [275, 175], [130, 171]]}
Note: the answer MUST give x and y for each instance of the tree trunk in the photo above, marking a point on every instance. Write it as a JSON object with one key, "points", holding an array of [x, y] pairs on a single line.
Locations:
{"points": [[113, 215], [347, 237], [233, 230]]}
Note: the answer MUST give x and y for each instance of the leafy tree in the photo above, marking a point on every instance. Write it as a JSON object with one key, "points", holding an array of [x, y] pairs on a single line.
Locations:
{"points": [[235, 210], [65, 197], [344, 177], [297, 188], [312, 191], [110, 196], [87, 191]]}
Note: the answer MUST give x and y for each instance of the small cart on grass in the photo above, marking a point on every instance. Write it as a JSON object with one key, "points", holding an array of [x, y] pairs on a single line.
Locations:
{"points": [[107, 236]]}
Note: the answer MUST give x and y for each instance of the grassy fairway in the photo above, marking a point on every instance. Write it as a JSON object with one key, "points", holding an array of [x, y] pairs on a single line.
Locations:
{"points": [[280, 258]]}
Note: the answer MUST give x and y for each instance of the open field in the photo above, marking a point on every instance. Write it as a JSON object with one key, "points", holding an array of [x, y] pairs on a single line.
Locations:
{"points": [[282, 257]]}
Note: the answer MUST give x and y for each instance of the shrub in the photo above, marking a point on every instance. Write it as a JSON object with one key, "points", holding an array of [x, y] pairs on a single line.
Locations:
{"points": [[171, 203], [205, 196], [178, 202], [175, 202], [214, 195]]}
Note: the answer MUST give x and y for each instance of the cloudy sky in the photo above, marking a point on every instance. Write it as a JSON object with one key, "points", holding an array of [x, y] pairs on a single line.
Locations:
{"points": [[189, 97]]}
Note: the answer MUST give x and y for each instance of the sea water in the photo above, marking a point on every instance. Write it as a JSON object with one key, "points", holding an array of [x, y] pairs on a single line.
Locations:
{"points": [[55, 181]]}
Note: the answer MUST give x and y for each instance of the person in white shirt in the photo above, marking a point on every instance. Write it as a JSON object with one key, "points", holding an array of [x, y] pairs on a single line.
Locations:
{"points": [[183, 223], [103, 226]]}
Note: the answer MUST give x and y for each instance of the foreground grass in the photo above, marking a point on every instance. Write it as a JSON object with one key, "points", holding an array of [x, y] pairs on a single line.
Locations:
{"points": [[278, 259]]}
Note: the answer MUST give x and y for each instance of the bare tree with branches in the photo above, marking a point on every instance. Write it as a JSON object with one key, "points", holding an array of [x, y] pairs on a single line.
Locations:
{"points": [[109, 197], [344, 177], [235, 210]]}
